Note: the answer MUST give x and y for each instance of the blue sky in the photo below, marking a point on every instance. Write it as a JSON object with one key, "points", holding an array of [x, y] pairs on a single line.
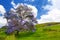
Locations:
{"points": [[37, 3]]}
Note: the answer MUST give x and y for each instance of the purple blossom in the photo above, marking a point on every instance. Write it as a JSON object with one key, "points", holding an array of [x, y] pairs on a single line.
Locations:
{"points": [[9, 31], [17, 20]]}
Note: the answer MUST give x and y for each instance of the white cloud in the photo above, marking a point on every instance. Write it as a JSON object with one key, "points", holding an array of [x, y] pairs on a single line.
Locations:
{"points": [[49, 0], [2, 20], [34, 9], [2, 9], [13, 4], [54, 12]]}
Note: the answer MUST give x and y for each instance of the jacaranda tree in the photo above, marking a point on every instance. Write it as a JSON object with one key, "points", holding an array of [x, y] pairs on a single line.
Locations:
{"points": [[21, 19]]}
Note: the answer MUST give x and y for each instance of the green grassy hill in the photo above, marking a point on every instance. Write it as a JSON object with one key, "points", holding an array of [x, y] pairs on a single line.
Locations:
{"points": [[46, 31]]}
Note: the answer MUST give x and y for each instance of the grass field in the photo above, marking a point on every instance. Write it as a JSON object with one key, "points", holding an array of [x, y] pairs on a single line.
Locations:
{"points": [[43, 32]]}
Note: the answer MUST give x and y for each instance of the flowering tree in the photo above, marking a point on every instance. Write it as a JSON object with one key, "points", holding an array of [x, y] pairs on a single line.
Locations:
{"points": [[21, 19]]}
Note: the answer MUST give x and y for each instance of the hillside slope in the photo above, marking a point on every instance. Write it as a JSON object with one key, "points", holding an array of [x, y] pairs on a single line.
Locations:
{"points": [[47, 32]]}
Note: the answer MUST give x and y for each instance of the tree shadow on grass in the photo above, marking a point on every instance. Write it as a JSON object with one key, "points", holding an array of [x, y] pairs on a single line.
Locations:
{"points": [[24, 34]]}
